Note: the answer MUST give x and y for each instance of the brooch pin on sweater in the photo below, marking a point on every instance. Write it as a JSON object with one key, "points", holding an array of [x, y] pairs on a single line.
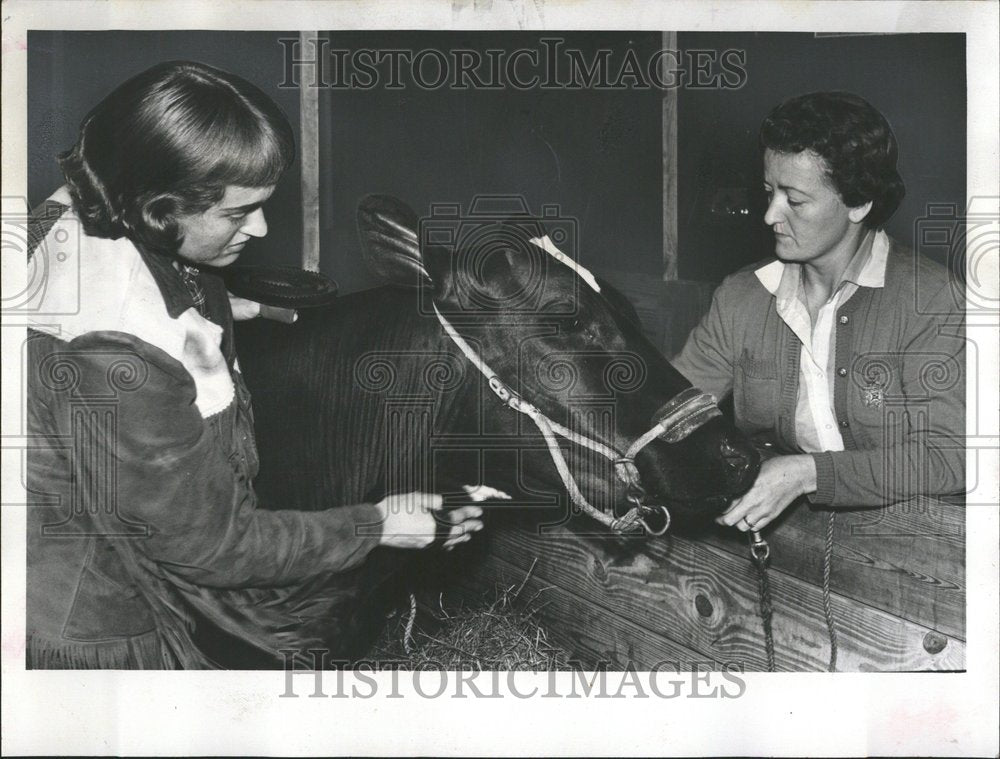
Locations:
{"points": [[874, 394]]}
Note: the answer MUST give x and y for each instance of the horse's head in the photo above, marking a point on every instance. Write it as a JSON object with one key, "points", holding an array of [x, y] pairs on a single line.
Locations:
{"points": [[566, 351]]}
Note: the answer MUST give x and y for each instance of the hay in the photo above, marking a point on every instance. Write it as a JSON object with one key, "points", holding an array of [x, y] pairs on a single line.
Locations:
{"points": [[500, 634]]}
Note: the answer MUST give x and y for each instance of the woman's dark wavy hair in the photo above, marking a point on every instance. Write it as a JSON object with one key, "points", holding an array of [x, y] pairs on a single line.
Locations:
{"points": [[167, 143], [854, 140]]}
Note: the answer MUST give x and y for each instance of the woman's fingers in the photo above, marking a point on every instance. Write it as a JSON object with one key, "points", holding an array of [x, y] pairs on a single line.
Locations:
{"points": [[462, 530], [733, 516], [459, 538], [750, 514], [458, 541], [461, 514]]}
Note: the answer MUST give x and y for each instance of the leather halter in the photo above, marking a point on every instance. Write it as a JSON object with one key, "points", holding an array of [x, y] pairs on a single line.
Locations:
{"points": [[682, 415]]}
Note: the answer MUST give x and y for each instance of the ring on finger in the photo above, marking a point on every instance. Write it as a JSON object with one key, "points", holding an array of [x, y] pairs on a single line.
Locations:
{"points": [[748, 523]]}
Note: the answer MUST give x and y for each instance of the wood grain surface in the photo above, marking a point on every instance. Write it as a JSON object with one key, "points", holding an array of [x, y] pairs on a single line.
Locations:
{"points": [[592, 636], [704, 599], [907, 560]]}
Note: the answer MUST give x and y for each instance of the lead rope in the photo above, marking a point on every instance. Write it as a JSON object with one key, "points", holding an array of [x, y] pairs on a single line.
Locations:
{"points": [[760, 551], [827, 604]]}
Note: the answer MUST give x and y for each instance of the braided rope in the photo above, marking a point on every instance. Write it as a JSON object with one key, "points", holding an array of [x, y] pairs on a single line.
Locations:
{"points": [[766, 610], [827, 603], [411, 619], [544, 426]]}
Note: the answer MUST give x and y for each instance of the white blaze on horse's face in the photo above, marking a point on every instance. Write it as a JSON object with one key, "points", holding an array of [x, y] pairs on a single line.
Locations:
{"points": [[549, 247]]}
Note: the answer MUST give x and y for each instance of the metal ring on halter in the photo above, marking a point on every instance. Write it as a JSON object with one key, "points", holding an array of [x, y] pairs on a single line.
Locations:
{"points": [[636, 498], [759, 547], [662, 530]]}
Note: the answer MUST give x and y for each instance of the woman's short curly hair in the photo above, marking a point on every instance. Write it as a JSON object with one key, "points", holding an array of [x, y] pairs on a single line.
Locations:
{"points": [[854, 140], [167, 143]]}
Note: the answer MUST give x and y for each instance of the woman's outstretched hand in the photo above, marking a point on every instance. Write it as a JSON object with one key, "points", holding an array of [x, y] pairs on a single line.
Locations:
{"points": [[781, 480], [411, 520]]}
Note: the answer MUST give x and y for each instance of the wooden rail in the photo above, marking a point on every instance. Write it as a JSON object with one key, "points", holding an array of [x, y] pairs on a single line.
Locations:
{"points": [[617, 601], [907, 560]]}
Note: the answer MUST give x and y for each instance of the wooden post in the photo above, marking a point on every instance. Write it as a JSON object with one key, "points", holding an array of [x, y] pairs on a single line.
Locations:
{"points": [[309, 158], [669, 165]]}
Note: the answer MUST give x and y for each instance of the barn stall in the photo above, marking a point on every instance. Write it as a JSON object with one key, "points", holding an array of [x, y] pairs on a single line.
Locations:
{"points": [[853, 590], [895, 594], [871, 589], [659, 182]]}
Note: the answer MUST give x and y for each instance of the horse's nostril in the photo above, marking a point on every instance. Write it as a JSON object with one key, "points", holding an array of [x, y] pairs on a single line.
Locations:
{"points": [[732, 454], [736, 459]]}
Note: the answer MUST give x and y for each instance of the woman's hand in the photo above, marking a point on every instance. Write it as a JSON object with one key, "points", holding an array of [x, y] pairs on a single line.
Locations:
{"points": [[781, 480], [410, 520]]}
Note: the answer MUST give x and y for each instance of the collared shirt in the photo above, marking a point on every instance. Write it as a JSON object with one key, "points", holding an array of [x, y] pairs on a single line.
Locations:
{"points": [[816, 426], [890, 341]]}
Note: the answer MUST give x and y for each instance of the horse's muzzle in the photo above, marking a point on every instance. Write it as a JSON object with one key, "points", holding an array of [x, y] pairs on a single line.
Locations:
{"points": [[741, 463]]}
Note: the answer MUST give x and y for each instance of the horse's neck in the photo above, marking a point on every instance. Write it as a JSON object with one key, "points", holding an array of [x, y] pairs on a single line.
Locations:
{"points": [[398, 384]]}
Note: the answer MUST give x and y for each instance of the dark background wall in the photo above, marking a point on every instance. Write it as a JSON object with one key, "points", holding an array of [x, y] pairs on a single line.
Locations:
{"points": [[595, 153], [70, 72], [916, 80]]}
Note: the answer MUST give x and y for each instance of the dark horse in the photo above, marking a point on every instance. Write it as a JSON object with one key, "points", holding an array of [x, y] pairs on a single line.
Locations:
{"points": [[371, 395]]}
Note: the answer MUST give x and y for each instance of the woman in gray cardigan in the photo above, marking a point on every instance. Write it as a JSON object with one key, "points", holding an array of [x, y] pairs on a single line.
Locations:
{"points": [[844, 353]]}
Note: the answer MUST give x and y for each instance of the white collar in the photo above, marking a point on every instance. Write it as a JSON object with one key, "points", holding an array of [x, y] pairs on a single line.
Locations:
{"points": [[871, 274]]}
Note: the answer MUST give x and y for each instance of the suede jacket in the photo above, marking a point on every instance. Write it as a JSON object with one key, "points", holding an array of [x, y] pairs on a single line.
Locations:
{"points": [[142, 515]]}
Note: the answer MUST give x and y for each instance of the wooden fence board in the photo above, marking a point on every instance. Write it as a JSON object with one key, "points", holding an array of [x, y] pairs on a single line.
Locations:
{"points": [[908, 560], [589, 633], [705, 599]]}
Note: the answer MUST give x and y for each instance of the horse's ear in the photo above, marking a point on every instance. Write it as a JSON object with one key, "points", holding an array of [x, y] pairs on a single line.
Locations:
{"points": [[389, 244]]}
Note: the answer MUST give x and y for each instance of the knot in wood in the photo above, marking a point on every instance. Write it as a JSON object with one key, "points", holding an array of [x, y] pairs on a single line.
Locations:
{"points": [[600, 571], [704, 605]]}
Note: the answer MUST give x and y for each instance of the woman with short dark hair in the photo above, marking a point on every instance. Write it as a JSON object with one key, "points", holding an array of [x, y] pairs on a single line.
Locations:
{"points": [[854, 140], [845, 353], [145, 532]]}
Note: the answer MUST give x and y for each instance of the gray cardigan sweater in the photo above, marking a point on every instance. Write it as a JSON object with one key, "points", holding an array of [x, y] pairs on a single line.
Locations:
{"points": [[899, 391]]}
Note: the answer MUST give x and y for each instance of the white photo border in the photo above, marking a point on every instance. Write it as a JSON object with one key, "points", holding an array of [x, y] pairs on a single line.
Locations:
{"points": [[64, 712]]}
